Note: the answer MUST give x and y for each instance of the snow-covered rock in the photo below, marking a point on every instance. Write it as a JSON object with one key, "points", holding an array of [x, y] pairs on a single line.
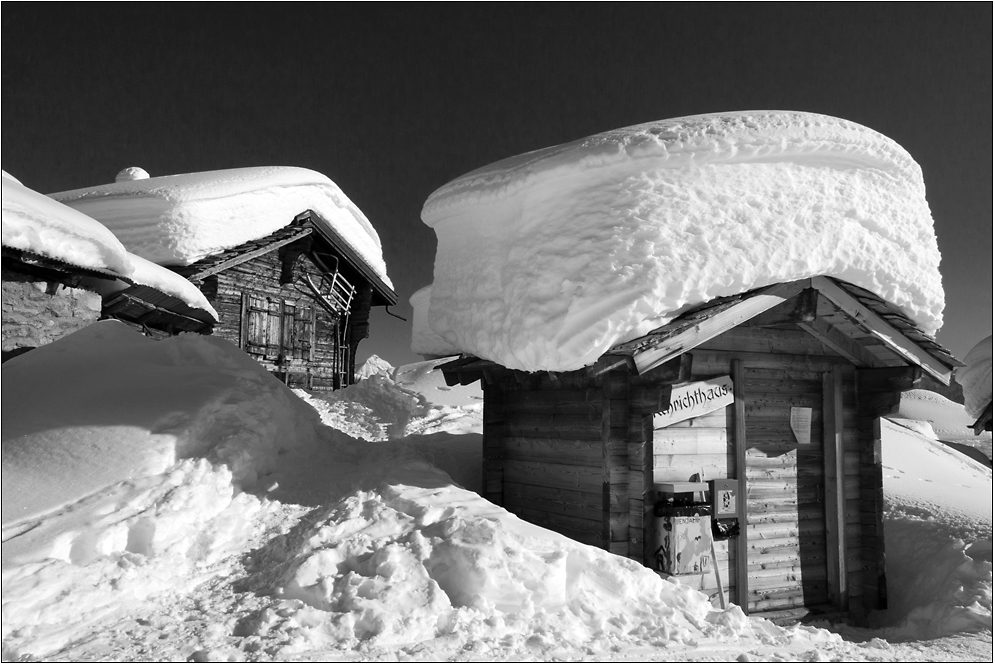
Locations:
{"points": [[180, 219], [976, 377], [547, 259]]}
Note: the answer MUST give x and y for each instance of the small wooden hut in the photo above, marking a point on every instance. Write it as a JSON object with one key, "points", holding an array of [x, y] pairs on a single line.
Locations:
{"points": [[297, 300], [812, 365]]}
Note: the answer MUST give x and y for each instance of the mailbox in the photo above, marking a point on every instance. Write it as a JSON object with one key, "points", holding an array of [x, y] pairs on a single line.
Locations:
{"points": [[683, 528], [724, 504]]}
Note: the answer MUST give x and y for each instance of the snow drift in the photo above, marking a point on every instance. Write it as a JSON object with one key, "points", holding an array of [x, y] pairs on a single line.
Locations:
{"points": [[172, 501], [180, 219], [547, 259], [136, 472]]}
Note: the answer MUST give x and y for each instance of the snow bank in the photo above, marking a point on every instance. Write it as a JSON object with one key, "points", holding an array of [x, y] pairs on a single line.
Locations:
{"points": [[938, 538], [547, 259], [180, 219], [425, 341], [125, 408], [175, 502], [409, 400], [35, 223], [976, 377]]}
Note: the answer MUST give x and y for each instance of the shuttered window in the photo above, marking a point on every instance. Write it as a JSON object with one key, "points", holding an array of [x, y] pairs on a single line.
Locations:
{"points": [[277, 330]]}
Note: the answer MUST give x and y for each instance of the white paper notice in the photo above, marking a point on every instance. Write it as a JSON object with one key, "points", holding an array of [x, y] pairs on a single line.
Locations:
{"points": [[801, 423]]}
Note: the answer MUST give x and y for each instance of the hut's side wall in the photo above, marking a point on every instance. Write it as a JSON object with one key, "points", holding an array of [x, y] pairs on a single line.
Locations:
{"points": [[547, 444], [242, 293], [786, 531]]}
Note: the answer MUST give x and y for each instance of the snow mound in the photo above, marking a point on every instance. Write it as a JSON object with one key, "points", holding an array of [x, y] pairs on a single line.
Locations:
{"points": [[180, 219], [374, 365], [35, 223], [938, 538], [417, 560], [976, 378], [182, 398], [410, 400], [547, 259]]}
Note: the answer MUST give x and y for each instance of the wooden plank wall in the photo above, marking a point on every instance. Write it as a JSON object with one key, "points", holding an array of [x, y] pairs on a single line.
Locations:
{"points": [[261, 277], [786, 529], [880, 393], [543, 440]]}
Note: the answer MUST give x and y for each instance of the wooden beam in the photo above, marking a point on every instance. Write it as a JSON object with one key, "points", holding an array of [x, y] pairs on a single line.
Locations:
{"points": [[835, 494], [804, 307], [887, 333], [248, 256], [614, 438], [739, 440], [888, 379], [714, 326], [839, 342], [492, 464]]}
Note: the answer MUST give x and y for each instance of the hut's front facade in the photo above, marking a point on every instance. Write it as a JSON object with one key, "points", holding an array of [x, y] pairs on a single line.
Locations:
{"points": [[297, 300], [811, 364]]}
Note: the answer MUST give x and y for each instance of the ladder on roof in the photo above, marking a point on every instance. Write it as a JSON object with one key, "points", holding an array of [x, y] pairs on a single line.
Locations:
{"points": [[332, 291]]}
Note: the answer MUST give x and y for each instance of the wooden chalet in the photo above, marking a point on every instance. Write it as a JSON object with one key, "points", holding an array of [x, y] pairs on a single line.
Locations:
{"points": [[579, 452], [297, 300]]}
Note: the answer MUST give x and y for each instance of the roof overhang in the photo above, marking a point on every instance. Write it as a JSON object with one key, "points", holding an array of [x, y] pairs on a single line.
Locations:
{"points": [[848, 320]]}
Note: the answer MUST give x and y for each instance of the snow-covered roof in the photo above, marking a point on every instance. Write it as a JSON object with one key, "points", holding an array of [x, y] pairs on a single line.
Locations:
{"points": [[976, 378], [33, 222], [548, 259], [424, 340], [180, 219]]}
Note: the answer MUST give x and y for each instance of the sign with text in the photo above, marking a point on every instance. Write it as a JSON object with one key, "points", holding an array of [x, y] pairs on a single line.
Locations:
{"points": [[801, 423], [695, 399]]}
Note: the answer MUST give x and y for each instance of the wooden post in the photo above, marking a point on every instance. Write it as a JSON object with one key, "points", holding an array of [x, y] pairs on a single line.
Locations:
{"points": [[492, 465], [614, 453], [835, 495], [739, 437]]}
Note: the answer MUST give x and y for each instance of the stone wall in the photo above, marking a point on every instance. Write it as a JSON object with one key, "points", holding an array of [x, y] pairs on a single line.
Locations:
{"points": [[33, 317]]}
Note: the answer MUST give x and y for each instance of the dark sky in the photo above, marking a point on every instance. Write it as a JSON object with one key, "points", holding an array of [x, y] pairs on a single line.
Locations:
{"points": [[393, 103]]}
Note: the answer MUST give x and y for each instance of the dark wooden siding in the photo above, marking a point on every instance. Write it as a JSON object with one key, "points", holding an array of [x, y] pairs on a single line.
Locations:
{"points": [[277, 324]]}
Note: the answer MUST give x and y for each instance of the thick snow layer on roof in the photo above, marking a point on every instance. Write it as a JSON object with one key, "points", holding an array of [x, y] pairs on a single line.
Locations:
{"points": [[167, 281], [547, 259], [424, 340], [180, 219], [976, 378], [32, 222]]}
